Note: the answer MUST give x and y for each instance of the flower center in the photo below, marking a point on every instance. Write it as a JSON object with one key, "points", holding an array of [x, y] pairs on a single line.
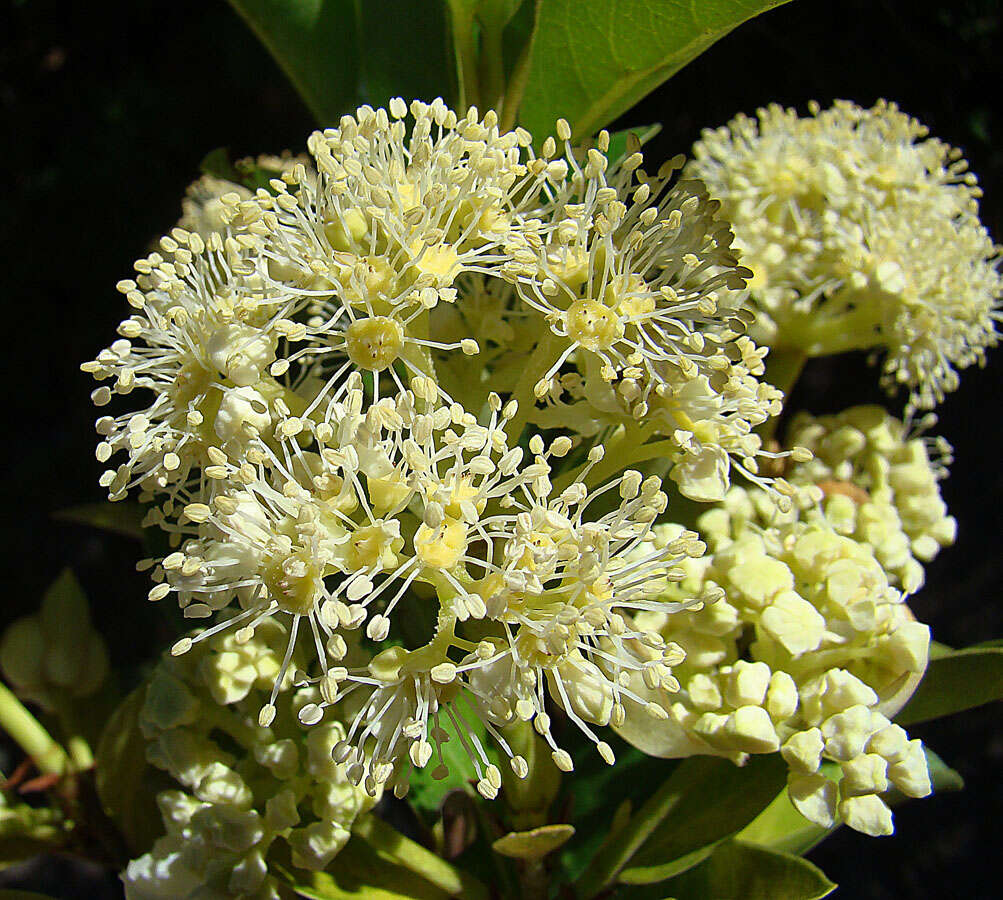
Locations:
{"points": [[593, 325], [374, 343]]}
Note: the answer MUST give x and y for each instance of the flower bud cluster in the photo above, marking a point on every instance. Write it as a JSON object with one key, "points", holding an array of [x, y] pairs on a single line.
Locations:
{"points": [[808, 652], [232, 806], [861, 232], [56, 654], [880, 485]]}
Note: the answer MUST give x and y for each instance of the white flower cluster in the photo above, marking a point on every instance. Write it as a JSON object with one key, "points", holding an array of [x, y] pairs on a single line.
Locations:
{"points": [[809, 654], [307, 460], [861, 233], [880, 486], [231, 808]]}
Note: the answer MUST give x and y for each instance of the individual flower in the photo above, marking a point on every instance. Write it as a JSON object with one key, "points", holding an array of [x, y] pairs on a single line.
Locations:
{"points": [[377, 232], [203, 210], [862, 233], [636, 280], [809, 653], [197, 351], [242, 787]]}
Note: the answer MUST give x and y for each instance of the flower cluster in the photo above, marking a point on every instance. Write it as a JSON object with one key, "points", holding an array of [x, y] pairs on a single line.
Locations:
{"points": [[809, 653], [879, 481], [231, 807], [437, 561], [861, 233]]}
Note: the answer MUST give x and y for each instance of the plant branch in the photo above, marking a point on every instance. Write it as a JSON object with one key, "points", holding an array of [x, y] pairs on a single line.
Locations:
{"points": [[28, 733]]}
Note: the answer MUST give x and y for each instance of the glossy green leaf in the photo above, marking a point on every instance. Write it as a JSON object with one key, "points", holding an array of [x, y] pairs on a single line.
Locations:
{"points": [[955, 682], [716, 798], [124, 518], [703, 802], [315, 42], [359, 872], [742, 871], [594, 59], [393, 847]]}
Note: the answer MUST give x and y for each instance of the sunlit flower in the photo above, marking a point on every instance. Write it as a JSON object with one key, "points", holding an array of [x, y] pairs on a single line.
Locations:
{"points": [[810, 652], [861, 233]]}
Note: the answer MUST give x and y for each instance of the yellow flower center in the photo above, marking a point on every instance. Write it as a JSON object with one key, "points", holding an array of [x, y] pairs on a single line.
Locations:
{"points": [[292, 582], [593, 325], [374, 343]]}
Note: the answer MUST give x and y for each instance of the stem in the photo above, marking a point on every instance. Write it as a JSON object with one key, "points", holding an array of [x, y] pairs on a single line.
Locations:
{"points": [[491, 68], [539, 362], [466, 54], [824, 335], [516, 86], [25, 729], [619, 455], [80, 753], [533, 880]]}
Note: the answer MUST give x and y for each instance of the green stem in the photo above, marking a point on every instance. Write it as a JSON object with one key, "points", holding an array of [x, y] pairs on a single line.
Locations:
{"points": [[80, 753], [541, 360], [517, 81], [620, 454], [28, 733], [390, 843], [466, 55], [839, 332], [491, 68]]}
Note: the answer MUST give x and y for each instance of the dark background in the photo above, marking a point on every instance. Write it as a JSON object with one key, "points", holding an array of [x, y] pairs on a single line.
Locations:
{"points": [[108, 108]]}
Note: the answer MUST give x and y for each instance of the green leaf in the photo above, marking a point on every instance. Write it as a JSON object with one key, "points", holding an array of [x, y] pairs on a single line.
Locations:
{"points": [[741, 871], [360, 873], [218, 164], [122, 518], [535, 843], [315, 42], [594, 59], [955, 682], [715, 800], [126, 784], [426, 793], [394, 847], [703, 802]]}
